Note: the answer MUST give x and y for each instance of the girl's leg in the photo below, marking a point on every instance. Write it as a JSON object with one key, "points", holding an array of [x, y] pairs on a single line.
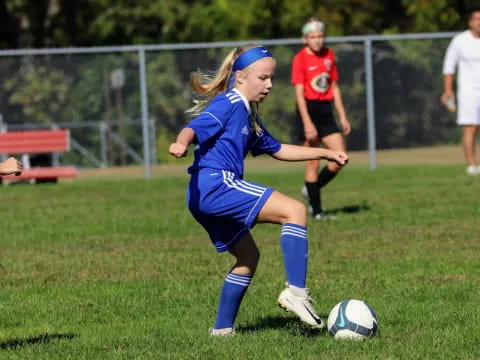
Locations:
{"points": [[291, 214], [334, 142], [469, 133], [311, 166], [311, 182], [236, 284]]}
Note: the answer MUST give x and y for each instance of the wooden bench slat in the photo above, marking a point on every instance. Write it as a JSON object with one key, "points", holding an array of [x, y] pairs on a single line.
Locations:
{"points": [[34, 142], [37, 142]]}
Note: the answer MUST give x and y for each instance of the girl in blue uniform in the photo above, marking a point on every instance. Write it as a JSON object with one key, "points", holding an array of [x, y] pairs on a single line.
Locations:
{"points": [[226, 127]]}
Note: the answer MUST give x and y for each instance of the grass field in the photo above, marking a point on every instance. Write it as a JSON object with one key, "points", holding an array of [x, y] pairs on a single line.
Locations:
{"points": [[118, 269]]}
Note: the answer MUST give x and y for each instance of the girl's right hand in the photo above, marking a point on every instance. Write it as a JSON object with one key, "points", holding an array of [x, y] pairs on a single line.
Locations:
{"points": [[310, 132], [340, 157], [447, 94], [178, 150]]}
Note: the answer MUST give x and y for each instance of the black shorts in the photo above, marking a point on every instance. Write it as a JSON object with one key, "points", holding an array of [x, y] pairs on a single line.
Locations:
{"points": [[321, 113]]}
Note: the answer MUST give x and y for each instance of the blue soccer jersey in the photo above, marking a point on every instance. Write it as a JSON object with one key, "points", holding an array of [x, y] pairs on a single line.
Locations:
{"points": [[225, 135], [226, 205]]}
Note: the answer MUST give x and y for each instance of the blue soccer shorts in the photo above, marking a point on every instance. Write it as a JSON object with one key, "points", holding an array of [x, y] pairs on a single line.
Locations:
{"points": [[225, 205]]}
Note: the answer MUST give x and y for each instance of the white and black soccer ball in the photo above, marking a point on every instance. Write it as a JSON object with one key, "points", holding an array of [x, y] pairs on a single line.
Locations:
{"points": [[352, 319]]}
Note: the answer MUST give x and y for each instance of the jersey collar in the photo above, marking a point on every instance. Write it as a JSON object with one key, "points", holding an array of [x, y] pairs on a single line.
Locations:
{"points": [[245, 101]]}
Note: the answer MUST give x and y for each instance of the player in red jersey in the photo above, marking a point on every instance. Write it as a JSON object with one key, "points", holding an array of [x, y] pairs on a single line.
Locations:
{"points": [[315, 77]]}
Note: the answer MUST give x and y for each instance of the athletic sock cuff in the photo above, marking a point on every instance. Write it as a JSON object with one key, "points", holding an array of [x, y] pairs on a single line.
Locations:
{"points": [[294, 230], [237, 279]]}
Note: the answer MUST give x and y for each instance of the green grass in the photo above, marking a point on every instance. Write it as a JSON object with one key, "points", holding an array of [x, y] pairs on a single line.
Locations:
{"points": [[118, 269]]}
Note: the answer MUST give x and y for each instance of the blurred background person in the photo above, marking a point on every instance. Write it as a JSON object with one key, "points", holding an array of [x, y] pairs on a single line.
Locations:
{"points": [[464, 52], [315, 77]]}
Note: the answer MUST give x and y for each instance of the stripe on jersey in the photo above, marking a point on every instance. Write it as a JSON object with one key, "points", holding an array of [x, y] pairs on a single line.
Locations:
{"points": [[233, 97]]}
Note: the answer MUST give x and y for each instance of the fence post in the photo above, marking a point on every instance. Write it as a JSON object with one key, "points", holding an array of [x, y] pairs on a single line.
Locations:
{"points": [[103, 143], [144, 101], [372, 143], [153, 142], [3, 128]]}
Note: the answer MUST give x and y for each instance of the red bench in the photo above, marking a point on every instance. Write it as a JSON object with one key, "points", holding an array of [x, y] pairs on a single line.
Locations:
{"points": [[37, 142]]}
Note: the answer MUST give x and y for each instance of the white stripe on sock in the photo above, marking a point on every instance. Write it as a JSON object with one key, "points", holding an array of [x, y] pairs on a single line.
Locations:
{"points": [[238, 279], [294, 230], [293, 234], [299, 231]]}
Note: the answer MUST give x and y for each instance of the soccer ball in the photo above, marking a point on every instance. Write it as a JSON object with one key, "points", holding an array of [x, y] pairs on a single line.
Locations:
{"points": [[352, 319]]}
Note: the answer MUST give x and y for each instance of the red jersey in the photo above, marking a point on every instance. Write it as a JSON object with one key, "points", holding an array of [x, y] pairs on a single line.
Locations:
{"points": [[316, 73]]}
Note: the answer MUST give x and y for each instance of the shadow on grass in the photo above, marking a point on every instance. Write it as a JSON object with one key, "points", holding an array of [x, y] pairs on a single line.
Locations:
{"points": [[349, 209], [41, 339], [292, 325]]}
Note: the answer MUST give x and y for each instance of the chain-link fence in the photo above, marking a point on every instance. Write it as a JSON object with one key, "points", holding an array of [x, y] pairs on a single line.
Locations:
{"points": [[124, 105]]}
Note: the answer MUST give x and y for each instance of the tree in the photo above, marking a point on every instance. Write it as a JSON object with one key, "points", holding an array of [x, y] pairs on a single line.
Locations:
{"points": [[54, 23]]}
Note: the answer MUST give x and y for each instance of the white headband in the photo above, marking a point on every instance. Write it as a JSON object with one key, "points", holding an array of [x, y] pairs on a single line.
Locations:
{"points": [[312, 26]]}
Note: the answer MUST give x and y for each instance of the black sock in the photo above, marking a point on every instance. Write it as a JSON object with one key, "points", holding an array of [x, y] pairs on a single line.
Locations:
{"points": [[314, 197], [325, 176]]}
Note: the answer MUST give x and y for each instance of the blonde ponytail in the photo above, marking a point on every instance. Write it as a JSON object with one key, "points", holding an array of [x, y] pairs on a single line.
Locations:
{"points": [[207, 86]]}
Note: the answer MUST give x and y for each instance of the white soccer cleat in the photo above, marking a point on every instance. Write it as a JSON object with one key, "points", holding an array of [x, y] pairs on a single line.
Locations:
{"points": [[323, 216], [222, 332], [473, 170], [300, 304]]}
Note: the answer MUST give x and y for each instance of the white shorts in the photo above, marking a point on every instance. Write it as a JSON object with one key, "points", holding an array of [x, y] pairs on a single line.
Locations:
{"points": [[469, 110]]}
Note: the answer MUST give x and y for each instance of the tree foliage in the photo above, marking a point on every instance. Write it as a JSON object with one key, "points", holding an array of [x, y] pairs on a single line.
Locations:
{"points": [[55, 23]]}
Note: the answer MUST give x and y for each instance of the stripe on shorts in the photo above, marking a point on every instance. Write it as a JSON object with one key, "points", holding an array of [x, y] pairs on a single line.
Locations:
{"points": [[241, 185]]}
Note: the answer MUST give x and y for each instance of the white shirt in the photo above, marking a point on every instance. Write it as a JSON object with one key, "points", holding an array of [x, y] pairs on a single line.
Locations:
{"points": [[464, 51]]}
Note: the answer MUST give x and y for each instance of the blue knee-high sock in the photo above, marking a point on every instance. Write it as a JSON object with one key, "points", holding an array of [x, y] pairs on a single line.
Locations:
{"points": [[295, 253], [234, 288]]}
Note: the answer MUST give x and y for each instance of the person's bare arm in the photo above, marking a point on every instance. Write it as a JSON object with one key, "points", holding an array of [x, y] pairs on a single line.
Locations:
{"points": [[180, 147], [338, 102], [447, 88], [308, 127], [290, 152]]}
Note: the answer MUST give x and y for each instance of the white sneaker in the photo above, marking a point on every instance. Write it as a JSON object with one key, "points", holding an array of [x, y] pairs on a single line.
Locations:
{"points": [[222, 332], [300, 304], [323, 216], [473, 170]]}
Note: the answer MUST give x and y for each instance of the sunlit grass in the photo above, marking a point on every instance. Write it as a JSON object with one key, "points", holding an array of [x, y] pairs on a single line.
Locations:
{"points": [[106, 269]]}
